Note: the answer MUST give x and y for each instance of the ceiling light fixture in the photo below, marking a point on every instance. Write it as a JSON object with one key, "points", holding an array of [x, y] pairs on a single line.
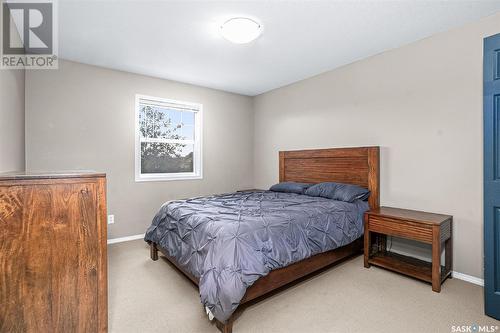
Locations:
{"points": [[241, 30]]}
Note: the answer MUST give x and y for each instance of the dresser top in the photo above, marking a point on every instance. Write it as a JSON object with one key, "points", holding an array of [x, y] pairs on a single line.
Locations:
{"points": [[410, 215], [50, 175]]}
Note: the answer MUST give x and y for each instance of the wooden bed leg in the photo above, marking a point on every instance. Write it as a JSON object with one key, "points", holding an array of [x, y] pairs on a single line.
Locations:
{"points": [[225, 327], [367, 244], [153, 251]]}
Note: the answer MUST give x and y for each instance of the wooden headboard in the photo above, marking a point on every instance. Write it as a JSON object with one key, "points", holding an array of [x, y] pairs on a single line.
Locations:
{"points": [[358, 166]]}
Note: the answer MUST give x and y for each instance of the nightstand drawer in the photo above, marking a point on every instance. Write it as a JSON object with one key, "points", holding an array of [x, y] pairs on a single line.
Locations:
{"points": [[394, 227]]}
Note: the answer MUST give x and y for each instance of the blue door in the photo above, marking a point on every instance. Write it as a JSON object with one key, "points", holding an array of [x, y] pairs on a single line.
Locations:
{"points": [[491, 104]]}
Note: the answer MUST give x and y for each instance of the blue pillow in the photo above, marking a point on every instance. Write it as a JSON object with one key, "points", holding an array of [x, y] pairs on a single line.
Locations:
{"points": [[290, 187], [338, 191]]}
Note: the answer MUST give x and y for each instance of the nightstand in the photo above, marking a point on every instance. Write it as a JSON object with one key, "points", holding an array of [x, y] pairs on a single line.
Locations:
{"points": [[433, 229]]}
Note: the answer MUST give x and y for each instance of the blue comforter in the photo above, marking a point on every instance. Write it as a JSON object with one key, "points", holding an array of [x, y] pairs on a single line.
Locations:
{"points": [[229, 241]]}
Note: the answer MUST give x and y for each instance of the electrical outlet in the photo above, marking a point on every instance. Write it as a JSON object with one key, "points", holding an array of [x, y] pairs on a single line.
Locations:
{"points": [[111, 219]]}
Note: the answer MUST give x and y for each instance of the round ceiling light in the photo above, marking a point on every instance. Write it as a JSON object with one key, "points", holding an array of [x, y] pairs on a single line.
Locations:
{"points": [[241, 30]]}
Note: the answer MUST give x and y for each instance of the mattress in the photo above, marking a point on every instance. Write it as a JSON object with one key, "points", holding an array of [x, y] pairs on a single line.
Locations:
{"points": [[229, 241]]}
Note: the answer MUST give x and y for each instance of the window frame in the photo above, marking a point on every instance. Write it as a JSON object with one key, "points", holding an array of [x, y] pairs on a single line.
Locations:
{"points": [[198, 140]]}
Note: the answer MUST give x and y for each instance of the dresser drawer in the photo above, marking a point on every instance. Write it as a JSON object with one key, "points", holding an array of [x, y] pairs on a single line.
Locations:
{"points": [[394, 227]]}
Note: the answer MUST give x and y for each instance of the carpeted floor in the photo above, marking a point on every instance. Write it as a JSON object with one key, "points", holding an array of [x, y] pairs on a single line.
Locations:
{"points": [[148, 296]]}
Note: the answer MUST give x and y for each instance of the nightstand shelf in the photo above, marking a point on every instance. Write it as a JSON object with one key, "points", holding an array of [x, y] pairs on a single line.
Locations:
{"points": [[433, 229], [407, 265]]}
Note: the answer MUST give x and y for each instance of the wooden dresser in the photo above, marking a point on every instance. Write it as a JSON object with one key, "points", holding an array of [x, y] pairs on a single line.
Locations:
{"points": [[53, 269]]}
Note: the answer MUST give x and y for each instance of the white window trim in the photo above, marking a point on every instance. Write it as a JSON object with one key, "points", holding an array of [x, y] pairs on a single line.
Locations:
{"points": [[198, 146]]}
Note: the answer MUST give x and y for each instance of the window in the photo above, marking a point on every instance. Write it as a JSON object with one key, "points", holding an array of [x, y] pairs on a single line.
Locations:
{"points": [[168, 139]]}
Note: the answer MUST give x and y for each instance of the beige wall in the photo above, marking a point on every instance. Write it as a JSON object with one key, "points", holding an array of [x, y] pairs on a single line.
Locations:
{"points": [[82, 117], [11, 120], [421, 103]]}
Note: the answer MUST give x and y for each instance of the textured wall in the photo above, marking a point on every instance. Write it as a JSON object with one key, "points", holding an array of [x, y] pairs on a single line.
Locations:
{"points": [[11, 120]]}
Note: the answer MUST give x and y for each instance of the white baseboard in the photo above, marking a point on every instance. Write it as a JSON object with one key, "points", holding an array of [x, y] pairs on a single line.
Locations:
{"points": [[456, 275], [125, 239], [468, 278], [416, 256]]}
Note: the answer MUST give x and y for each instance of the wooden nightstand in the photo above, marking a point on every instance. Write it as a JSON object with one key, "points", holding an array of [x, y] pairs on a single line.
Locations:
{"points": [[434, 229]]}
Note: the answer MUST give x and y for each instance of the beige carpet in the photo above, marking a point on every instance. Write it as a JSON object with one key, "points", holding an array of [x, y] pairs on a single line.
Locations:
{"points": [[148, 296]]}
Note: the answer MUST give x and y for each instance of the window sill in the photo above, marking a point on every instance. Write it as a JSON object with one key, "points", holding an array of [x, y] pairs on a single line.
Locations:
{"points": [[141, 179]]}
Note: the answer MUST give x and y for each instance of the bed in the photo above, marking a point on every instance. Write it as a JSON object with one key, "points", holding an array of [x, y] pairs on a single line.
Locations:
{"points": [[239, 247]]}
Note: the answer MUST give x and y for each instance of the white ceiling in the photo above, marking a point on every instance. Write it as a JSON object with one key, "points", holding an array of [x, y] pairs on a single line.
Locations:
{"points": [[178, 40]]}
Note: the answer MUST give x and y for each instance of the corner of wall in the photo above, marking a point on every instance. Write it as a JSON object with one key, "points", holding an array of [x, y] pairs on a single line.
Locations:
{"points": [[12, 120]]}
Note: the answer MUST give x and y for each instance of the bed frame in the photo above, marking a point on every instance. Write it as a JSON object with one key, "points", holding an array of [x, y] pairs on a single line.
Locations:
{"points": [[358, 166]]}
